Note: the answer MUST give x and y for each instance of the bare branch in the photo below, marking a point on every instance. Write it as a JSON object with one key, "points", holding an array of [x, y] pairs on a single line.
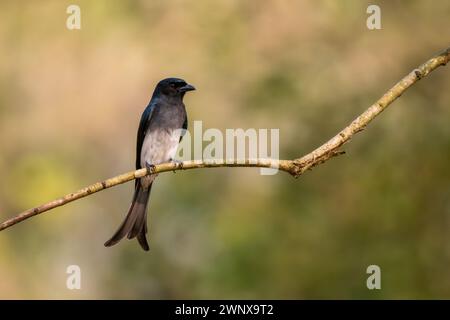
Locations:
{"points": [[295, 167]]}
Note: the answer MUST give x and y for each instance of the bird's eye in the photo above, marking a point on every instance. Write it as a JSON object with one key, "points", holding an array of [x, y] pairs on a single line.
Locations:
{"points": [[172, 85]]}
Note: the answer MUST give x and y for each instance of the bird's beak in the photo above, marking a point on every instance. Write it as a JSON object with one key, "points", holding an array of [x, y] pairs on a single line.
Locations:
{"points": [[187, 87]]}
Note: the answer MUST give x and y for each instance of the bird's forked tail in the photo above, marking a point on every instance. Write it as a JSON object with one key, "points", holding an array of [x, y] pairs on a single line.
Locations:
{"points": [[135, 223]]}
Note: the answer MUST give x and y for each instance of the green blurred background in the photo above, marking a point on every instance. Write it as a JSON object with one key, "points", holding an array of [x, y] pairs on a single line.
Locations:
{"points": [[70, 103]]}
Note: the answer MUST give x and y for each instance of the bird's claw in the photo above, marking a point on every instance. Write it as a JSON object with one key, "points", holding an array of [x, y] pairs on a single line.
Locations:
{"points": [[178, 163], [150, 167]]}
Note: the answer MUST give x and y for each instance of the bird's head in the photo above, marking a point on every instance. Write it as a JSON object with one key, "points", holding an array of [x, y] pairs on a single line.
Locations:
{"points": [[173, 87]]}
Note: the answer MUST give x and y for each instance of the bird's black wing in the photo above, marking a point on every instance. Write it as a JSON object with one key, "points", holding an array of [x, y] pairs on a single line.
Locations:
{"points": [[185, 125], [143, 126]]}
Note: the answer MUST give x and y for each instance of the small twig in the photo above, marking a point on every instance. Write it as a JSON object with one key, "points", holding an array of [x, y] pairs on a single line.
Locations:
{"points": [[295, 167]]}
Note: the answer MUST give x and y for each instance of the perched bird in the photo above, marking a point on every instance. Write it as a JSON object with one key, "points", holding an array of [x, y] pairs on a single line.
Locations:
{"points": [[160, 131]]}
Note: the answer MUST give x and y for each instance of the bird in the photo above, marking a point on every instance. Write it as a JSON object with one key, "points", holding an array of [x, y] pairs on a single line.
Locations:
{"points": [[162, 125]]}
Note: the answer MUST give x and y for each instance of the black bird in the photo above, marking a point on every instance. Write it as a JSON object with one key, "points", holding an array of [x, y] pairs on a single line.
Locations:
{"points": [[160, 132]]}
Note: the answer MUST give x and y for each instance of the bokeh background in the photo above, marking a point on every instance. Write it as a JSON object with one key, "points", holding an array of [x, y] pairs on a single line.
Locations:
{"points": [[70, 103]]}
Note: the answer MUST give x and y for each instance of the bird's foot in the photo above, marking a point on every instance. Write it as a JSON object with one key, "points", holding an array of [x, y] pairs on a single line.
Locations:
{"points": [[150, 167], [178, 163]]}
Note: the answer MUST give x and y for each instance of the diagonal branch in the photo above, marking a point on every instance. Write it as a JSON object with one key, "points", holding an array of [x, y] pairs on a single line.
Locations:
{"points": [[295, 167]]}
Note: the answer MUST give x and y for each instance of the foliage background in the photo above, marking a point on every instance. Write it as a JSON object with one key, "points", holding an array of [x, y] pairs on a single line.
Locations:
{"points": [[70, 103]]}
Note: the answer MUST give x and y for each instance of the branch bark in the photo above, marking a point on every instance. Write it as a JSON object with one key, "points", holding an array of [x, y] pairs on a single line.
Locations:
{"points": [[294, 167]]}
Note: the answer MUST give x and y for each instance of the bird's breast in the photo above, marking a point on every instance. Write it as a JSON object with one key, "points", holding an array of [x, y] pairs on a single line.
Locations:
{"points": [[160, 145]]}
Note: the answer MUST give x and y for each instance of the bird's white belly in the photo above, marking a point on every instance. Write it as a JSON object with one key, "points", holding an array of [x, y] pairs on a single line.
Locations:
{"points": [[159, 146]]}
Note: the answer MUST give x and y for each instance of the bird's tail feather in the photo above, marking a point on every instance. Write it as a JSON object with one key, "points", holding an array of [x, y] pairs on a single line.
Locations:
{"points": [[141, 237], [135, 223]]}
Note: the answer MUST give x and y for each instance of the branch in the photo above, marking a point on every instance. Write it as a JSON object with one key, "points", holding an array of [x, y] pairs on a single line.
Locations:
{"points": [[295, 167]]}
